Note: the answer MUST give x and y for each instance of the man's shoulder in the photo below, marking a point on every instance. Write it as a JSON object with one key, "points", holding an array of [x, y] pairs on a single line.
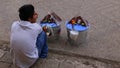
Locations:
{"points": [[37, 27], [15, 23]]}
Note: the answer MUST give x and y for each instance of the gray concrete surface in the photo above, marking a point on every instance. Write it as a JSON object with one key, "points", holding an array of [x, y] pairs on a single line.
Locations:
{"points": [[1, 53], [103, 40], [55, 60]]}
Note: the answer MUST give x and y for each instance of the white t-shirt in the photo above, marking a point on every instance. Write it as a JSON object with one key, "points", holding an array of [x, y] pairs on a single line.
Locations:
{"points": [[23, 43]]}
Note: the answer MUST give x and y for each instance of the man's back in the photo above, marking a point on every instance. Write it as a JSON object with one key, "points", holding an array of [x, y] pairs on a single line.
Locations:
{"points": [[23, 43]]}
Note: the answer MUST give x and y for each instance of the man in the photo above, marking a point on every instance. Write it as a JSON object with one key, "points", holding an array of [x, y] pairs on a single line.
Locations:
{"points": [[28, 41]]}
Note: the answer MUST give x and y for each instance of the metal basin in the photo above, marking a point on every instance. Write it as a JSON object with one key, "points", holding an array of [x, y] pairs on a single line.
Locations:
{"points": [[77, 34], [53, 30]]}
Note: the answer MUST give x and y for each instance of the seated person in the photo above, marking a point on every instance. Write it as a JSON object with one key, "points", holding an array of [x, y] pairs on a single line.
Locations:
{"points": [[28, 41]]}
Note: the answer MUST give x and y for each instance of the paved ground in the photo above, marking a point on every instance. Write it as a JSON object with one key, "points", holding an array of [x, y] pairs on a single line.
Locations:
{"points": [[55, 60], [103, 36]]}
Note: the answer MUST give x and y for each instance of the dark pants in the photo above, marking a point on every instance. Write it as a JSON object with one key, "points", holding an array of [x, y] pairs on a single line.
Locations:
{"points": [[42, 45]]}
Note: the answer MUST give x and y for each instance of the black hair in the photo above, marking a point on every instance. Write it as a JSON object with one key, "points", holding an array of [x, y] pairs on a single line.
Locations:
{"points": [[26, 11]]}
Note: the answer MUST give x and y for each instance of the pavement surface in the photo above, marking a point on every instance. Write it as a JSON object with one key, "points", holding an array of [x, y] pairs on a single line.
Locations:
{"points": [[55, 60], [103, 40]]}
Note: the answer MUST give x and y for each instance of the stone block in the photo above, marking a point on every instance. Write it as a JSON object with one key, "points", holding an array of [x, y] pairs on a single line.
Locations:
{"points": [[66, 64], [4, 65], [1, 53], [6, 58]]}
